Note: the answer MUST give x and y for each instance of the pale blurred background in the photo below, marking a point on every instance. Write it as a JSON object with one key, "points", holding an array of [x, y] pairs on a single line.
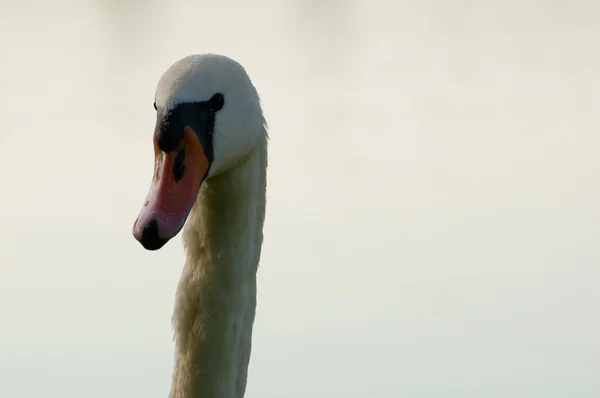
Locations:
{"points": [[433, 204]]}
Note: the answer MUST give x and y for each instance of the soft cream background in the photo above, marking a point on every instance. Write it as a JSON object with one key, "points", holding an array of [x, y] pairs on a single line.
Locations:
{"points": [[433, 205]]}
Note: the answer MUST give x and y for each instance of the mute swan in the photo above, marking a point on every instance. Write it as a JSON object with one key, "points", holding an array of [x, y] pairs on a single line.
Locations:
{"points": [[210, 147]]}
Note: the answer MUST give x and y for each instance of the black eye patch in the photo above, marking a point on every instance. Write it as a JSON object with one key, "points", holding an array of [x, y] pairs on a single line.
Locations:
{"points": [[199, 116], [217, 102]]}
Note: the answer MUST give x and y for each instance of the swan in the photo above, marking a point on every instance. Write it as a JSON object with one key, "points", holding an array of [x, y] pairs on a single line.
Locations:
{"points": [[210, 162]]}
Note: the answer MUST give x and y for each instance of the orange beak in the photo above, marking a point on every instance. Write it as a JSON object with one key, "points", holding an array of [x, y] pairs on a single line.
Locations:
{"points": [[175, 184]]}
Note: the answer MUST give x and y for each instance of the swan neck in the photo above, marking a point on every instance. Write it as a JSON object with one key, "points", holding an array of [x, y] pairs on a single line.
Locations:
{"points": [[216, 297]]}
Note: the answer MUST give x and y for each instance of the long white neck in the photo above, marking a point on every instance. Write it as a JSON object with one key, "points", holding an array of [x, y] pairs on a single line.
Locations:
{"points": [[216, 297]]}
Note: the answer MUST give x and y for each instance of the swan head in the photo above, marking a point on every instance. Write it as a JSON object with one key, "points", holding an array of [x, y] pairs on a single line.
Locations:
{"points": [[208, 118]]}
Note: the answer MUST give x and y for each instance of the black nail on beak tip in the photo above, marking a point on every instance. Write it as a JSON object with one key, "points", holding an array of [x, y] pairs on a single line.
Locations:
{"points": [[150, 239]]}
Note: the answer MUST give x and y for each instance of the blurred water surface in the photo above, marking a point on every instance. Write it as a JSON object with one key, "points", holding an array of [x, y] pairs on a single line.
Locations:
{"points": [[433, 203]]}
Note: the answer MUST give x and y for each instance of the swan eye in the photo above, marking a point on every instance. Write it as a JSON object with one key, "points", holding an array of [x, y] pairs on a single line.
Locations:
{"points": [[216, 102], [155, 106]]}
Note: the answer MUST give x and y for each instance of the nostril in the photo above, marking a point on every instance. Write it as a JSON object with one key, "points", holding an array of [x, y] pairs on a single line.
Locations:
{"points": [[179, 165], [150, 239]]}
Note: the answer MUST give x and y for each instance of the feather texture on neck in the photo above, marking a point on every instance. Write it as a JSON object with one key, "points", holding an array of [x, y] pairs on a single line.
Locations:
{"points": [[216, 297]]}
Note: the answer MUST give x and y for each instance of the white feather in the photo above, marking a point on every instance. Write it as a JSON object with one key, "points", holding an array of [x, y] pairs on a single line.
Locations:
{"points": [[216, 296]]}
